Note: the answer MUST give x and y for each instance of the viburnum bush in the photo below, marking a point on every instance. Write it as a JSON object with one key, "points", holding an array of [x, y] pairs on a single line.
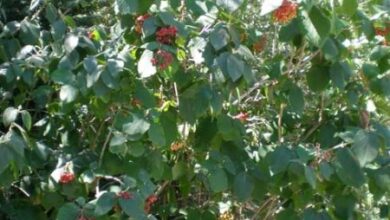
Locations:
{"points": [[194, 109]]}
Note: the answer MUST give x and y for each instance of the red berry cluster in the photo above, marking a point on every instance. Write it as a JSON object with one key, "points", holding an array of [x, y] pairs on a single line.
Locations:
{"points": [[162, 59], [66, 177], [383, 32], [149, 202], [243, 116], [139, 22], [125, 195], [166, 35], [286, 12]]}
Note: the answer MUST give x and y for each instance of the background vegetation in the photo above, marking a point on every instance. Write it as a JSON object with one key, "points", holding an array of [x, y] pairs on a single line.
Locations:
{"points": [[194, 109]]}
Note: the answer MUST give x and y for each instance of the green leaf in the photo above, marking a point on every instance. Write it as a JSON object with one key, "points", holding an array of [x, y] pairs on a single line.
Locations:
{"points": [[218, 180], [51, 13], [26, 118], [326, 170], [340, 72], [365, 147], [68, 211], [105, 203], [229, 128], [349, 7], [145, 66], [243, 186], [68, 93], [93, 73], [312, 214], [125, 7], [318, 78], [330, 50], [379, 52], [9, 116], [133, 207], [219, 37], [296, 100], [310, 176], [29, 32], [370, 70], [114, 67], [179, 170], [279, 159], [348, 168], [270, 6], [317, 26], [135, 127], [235, 67], [194, 102], [157, 135], [71, 42], [144, 95], [63, 76], [381, 177], [230, 5]]}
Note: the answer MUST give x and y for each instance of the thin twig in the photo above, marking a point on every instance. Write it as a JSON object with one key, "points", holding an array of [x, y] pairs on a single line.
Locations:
{"points": [[21, 190], [176, 94], [162, 188], [280, 120], [104, 148]]}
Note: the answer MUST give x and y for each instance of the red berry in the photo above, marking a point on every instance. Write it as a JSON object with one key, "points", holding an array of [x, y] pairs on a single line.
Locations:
{"points": [[139, 23], [66, 177], [286, 12], [243, 116], [125, 195], [166, 35], [162, 59], [149, 202]]}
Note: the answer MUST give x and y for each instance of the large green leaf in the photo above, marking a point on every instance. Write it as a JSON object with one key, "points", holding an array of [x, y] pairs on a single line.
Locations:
{"points": [[318, 78], [68, 211], [296, 100], [243, 186], [219, 37], [317, 26], [12, 149], [348, 168], [229, 128], [365, 147], [105, 203], [194, 102], [132, 6], [9, 115], [157, 135], [218, 180], [349, 7], [235, 67], [29, 32], [63, 76], [71, 42], [68, 93], [145, 66], [135, 126]]}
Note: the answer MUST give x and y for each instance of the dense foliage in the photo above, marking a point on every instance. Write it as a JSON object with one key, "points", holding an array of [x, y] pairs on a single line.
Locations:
{"points": [[194, 109]]}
